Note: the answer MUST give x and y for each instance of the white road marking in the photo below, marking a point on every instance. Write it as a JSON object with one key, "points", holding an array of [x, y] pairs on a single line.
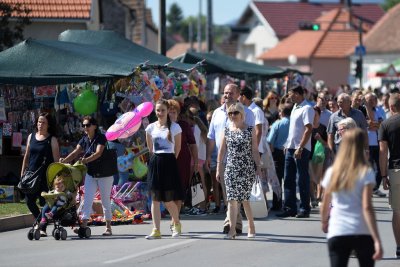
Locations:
{"points": [[157, 249]]}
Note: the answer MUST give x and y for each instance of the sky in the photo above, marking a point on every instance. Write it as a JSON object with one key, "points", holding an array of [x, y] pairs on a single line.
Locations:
{"points": [[224, 11]]}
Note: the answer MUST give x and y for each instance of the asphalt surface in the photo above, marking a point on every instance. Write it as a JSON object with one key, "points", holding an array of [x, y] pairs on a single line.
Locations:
{"points": [[279, 242]]}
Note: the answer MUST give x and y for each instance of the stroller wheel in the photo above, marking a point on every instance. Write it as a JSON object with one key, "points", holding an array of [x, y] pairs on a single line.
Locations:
{"points": [[88, 232], [57, 234], [81, 232], [63, 234], [36, 234], [52, 232], [30, 234]]}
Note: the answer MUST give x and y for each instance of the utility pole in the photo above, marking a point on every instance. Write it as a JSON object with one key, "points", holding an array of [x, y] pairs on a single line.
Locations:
{"points": [[360, 33], [144, 24], [199, 29], [162, 35], [209, 28]]}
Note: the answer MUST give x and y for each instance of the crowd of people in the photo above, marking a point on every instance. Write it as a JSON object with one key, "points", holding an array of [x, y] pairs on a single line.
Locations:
{"points": [[330, 149]]}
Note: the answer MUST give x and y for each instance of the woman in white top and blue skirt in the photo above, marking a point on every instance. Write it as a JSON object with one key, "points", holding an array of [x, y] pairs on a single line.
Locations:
{"points": [[163, 139]]}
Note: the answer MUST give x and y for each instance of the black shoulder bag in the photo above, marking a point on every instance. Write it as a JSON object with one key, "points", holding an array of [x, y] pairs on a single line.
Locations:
{"points": [[30, 181], [106, 165]]}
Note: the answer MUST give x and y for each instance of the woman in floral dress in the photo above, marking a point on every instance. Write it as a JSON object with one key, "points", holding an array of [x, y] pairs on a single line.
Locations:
{"points": [[240, 143]]}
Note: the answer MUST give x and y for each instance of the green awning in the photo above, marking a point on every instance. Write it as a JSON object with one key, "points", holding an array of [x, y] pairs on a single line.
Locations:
{"points": [[37, 62], [219, 63], [113, 41]]}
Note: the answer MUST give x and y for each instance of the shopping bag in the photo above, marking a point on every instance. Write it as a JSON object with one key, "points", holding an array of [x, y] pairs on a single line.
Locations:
{"points": [[319, 153], [257, 200], [197, 190], [106, 165], [30, 181]]}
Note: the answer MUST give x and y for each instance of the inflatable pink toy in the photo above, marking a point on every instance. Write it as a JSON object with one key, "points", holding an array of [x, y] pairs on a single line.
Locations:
{"points": [[144, 109], [131, 131], [129, 123]]}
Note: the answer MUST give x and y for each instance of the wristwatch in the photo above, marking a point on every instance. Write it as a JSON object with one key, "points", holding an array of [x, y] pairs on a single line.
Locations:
{"points": [[300, 148]]}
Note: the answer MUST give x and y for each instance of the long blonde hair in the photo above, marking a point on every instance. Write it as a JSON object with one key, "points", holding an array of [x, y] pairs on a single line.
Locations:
{"points": [[351, 162]]}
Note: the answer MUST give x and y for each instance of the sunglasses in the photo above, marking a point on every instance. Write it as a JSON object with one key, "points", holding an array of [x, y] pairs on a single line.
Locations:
{"points": [[272, 98], [233, 113], [87, 125]]}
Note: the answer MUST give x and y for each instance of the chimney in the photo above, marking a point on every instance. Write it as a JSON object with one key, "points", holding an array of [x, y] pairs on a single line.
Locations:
{"points": [[306, 1]]}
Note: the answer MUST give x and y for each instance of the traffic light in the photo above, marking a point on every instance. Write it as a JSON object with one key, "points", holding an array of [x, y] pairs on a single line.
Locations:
{"points": [[358, 68], [309, 26]]}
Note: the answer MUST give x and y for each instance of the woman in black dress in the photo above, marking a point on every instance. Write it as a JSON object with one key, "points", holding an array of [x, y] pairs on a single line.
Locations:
{"points": [[41, 148]]}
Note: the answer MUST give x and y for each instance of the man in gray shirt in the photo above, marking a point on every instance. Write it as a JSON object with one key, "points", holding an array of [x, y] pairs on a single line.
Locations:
{"points": [[345, 110]]}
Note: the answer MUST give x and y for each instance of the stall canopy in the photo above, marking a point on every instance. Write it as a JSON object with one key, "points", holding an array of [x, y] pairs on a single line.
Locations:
{"points": [[37, 62], [219, 63], [113, 41]]}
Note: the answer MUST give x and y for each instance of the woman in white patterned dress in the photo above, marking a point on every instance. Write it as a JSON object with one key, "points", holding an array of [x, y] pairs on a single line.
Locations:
{"points": [[240, 143]]}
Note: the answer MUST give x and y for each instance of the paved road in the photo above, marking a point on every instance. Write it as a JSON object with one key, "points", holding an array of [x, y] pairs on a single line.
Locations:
{"points": [[279, 242]]}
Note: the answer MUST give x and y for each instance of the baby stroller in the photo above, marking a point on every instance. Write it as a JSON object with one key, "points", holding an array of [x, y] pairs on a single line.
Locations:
{"points": [[66, 215]]}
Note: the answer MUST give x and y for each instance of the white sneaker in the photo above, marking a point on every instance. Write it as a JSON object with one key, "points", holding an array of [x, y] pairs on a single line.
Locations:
{"points": [[176, 230]]}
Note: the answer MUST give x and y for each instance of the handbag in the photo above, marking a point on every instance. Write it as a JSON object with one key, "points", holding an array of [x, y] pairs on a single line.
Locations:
{"points": [[257, 201], [196, 189], [30, 181], [106, 165], [319, 153]]}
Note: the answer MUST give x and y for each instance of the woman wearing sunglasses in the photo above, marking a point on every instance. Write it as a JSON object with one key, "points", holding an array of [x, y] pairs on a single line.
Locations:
{"points": [[91, 146], [240, 144]]}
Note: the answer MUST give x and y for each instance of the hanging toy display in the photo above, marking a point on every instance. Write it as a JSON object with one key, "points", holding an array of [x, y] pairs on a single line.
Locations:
{"points": [[128, 123], [86, 102]]}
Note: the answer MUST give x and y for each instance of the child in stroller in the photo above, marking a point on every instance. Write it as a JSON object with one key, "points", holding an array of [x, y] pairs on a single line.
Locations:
{"points": [[64, 179], [59, 198]]}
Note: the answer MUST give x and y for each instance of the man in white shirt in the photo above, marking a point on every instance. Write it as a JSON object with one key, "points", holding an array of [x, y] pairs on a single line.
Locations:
{"points": [[298, 149], [261, 124]]}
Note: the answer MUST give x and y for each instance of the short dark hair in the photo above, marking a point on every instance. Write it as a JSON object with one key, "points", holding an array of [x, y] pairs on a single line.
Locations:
{"points": [[286, 109], [247, 92], [297, 89]]}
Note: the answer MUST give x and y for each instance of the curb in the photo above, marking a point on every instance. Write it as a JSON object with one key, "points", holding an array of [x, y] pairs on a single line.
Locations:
{"points": [[16, 222]]}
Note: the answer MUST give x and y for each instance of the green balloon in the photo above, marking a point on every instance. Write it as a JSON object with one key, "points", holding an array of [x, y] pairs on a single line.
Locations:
{"points": [[86, 102], [139, 168]]}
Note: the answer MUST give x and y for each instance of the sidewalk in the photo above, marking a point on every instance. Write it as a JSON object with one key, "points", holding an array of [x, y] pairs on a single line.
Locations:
{"points": [[16, 222]]}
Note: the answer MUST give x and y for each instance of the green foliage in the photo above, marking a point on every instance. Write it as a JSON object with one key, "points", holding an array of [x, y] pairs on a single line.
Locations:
{"points": [[12, 32], [174, 18], [388, 4]]}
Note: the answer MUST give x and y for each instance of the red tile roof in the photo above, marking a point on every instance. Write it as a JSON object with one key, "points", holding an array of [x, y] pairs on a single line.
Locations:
{"points": [[285, 16], [384, 37], [334, 40], [181, 48], [56, 9]]}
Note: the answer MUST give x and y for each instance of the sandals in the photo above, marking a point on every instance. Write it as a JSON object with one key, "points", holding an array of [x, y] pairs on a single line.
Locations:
{"points": [[107, 232]]}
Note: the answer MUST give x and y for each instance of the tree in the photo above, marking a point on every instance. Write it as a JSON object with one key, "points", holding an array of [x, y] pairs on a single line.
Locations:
{"points": [[388, 4], [174, 18], [12, 32]]}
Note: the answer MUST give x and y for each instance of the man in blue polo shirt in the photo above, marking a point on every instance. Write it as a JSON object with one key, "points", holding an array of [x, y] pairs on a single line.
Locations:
{"points": [[276, 139]]}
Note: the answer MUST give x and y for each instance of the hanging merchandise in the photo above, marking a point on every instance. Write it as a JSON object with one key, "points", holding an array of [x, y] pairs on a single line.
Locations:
{"points": [[61, 100], [108, 107], [139, 168], [86, 102], [128, 123]]}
